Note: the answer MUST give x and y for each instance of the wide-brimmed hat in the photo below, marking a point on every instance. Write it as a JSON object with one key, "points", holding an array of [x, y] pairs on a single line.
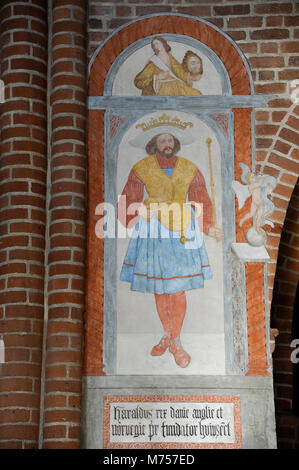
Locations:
{"points": [[162, 125]]}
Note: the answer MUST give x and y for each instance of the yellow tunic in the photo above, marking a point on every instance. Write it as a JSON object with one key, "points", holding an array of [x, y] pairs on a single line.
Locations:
{"points": [[168, 87], [159, 186], [167, 195]]}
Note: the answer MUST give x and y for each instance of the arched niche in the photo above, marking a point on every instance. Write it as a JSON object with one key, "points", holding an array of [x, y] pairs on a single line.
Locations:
{"points": [[120, 79], [229, 113], [119, 369], [184, 26]]}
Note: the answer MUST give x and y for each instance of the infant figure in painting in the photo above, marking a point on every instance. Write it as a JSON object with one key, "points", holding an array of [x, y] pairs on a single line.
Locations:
{"points": [[163, 75], [257, 205], [259, 187]]}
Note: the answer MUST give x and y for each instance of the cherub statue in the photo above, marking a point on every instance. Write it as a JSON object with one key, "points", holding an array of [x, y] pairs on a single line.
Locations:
{"points": [[259, 187]]}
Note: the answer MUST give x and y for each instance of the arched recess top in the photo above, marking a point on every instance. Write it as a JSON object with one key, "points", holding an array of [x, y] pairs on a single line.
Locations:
{"points": [[223, 46]]}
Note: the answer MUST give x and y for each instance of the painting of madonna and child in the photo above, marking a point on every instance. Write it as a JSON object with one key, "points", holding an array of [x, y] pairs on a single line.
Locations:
{"points": [[170, 309], [167, 68]]}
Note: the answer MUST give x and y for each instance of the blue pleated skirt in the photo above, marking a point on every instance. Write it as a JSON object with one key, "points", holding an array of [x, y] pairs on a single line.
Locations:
{"points": [[157, 261]]}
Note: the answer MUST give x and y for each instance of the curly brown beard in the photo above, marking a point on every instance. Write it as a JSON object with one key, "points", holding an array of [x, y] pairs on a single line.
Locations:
{"points": [[166, 154]]}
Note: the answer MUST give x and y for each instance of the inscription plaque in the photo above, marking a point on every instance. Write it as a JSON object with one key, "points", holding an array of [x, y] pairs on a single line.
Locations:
{"points": [[172, 421]]}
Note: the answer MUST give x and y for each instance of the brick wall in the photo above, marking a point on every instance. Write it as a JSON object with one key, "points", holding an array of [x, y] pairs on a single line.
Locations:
{"points": [[66, 269], [267, 32], [43, 232], [23, 168], [42, 222]]}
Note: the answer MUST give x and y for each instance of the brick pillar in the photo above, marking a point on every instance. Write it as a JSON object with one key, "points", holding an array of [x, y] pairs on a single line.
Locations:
{"points": [[23, 167], [67, 227]]}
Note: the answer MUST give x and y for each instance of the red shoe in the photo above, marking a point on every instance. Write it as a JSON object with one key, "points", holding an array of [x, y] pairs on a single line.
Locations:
{"points": [[180, 356], [160, 348]]}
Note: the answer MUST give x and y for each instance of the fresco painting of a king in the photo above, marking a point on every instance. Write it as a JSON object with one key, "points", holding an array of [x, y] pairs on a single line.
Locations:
{"points": [[166, 255]]}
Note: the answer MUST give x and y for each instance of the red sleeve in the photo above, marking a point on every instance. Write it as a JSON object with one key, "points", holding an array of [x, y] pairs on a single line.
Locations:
{"points": [[132, 193], [198, 193]]}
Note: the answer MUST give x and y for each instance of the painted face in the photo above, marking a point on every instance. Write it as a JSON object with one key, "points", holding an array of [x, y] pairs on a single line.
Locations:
{"points": [[165, 145], [157, 46], [194, 65]]}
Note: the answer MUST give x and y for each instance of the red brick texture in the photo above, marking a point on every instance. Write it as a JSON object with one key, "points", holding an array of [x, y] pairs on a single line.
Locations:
{"points": [[32, 258], [66, 268], [267, 33], [23, 168], [43, 246], [285, 285], [281, 161]]}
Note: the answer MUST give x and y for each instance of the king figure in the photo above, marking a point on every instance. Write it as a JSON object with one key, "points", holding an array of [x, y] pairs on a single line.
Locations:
{"points": [[166, 256]]}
